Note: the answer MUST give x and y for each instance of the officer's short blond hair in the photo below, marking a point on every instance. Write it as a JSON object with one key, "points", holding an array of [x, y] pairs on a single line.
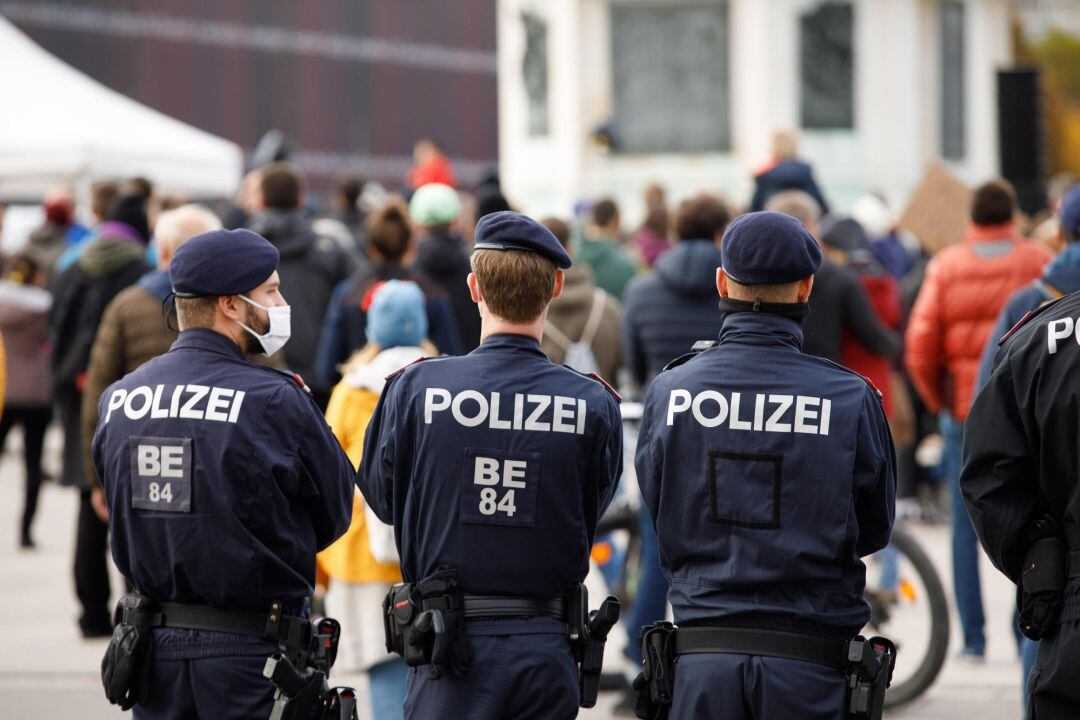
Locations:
{"points": [[516, 285]]}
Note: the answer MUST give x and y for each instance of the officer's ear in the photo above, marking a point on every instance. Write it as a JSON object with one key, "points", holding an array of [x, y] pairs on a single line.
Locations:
{"points": [[721, 282], [474, 289], [804, 288], [560, 278], [231, 307]]}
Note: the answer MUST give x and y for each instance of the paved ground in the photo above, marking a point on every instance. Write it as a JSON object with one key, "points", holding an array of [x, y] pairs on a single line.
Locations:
{"points": [[48, 671]]}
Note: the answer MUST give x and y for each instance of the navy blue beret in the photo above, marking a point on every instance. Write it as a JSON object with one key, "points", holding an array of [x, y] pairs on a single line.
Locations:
{"points": [[508, 230], [768, 248], [222, 262]]}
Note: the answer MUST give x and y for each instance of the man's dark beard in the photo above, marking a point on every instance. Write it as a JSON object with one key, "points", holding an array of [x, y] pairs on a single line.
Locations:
{"points": [[252, 346]]}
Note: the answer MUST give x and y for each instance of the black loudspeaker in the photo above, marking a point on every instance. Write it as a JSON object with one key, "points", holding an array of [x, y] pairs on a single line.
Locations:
{"points": [[1021, 136]]}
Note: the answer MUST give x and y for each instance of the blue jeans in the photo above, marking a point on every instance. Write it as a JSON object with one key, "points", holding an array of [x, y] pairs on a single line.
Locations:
{"points": [[387, 684], [650, 603], [1029, 650], [965, 544]]}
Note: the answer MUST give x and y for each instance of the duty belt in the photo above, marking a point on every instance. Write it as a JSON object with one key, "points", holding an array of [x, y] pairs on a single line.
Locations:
{"points": [[768, 643], [273, 625], [499, 606]]}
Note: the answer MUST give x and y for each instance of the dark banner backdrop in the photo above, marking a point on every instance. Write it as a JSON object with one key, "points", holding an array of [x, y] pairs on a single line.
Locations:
{"points": [[352, 82]]}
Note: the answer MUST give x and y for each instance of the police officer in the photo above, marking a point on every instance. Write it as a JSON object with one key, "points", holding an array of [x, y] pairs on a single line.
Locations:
{"points": [[1021, 484], [222, 482], [768, 474], [494, 469]]}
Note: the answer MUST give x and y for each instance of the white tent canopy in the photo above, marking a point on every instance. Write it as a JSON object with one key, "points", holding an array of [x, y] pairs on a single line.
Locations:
{"points": [[61, 126]]}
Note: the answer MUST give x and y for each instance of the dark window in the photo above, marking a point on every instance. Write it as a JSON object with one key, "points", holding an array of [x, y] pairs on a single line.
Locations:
{"points": [[670, 75], [827, 66], [534, 71], [953, 100]]}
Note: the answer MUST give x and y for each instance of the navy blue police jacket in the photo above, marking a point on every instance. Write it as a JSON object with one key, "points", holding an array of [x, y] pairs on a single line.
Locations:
{"points": [[222, 478], [769, 474], [497, 464]]}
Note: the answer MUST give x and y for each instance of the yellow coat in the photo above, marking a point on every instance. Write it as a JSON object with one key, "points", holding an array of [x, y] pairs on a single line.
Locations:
{"points": [[349, 559]]}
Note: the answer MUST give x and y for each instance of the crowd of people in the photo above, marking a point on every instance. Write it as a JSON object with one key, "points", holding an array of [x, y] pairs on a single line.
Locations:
{"points": [[380, 280]]}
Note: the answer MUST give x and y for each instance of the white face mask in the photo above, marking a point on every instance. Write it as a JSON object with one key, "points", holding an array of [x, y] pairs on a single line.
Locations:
{"points": [[280, 326]]}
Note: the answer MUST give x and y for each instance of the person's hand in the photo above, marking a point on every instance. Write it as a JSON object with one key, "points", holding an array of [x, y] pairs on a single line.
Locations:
{"points": [[97, 501]]}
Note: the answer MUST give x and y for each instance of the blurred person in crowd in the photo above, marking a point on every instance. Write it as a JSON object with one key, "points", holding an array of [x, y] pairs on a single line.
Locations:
{"points": [[785, 172], [653, 237], [108, 263], [59, 231], [442, 255], [132, 329], [245, 203], [873, 214], [311, 266], [391, 245], [24, 309], [666, 311], [363, 563], [599, 248], [345, 204], [103, 195], [430, 165], [839, 303], [965, 288], [584, 324], [489, 196], [1047, 231]]}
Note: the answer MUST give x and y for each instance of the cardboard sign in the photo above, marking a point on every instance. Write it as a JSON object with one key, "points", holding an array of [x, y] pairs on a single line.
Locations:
{"points": [[939, 210]]}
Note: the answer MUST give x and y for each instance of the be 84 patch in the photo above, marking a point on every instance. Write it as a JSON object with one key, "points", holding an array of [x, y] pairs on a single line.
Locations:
{"points": [[499, 487], [160, 473]]}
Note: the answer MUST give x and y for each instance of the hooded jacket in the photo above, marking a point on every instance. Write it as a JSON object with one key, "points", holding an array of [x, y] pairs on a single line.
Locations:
{"points": [[966, 286], [671, 308], [310, 268], [23, 313]]}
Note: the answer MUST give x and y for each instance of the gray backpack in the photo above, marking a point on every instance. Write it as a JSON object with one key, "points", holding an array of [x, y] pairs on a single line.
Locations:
{"points": [[579, 354]]}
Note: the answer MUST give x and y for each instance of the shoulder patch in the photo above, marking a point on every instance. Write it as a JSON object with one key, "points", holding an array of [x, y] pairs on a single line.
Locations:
{"points": [[699, 347], [406, 367], [604, 382], [1028, 317], [292, 377]]}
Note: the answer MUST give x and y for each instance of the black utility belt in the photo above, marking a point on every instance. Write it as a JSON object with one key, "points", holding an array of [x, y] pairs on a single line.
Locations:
{"points": [[866, 665], [768, 643], [273, 625], [502, 606]]}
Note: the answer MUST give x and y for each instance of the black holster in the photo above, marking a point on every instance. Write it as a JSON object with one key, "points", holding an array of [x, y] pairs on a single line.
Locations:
{"points": [[588, 637], [424, 623], [125, 668], [1041, 590], [655, 685], [869, 672]]}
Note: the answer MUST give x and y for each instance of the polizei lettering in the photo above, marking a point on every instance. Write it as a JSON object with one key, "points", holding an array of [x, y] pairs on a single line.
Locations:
{"points": [[760, 412], [541, 413], [188, 402]]}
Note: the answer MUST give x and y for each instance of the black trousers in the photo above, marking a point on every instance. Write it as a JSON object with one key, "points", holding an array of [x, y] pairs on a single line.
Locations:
{"points": [[92, 567], [1053, 690], [34, 421]]}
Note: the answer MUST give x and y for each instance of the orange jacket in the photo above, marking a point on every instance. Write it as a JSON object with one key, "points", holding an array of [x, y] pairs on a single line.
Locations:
{"points": [[956, 309]]}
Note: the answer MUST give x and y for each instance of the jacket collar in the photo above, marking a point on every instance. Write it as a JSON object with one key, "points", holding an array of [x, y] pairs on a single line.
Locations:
{"points": [[508, 343], [209, 340], [991, 233], [766, 329]]}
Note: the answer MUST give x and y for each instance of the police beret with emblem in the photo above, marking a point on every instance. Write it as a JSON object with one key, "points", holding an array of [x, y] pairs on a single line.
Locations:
{"points": [[769, 248], [222, 262], [509, 230]]}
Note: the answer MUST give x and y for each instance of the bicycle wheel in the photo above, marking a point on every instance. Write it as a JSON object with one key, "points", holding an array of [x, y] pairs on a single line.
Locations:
{"points": [[915, 615]]}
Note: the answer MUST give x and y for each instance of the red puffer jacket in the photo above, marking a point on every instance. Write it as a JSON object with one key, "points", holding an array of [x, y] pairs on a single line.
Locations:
{"points": [[884, 294], [956, 309]]}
